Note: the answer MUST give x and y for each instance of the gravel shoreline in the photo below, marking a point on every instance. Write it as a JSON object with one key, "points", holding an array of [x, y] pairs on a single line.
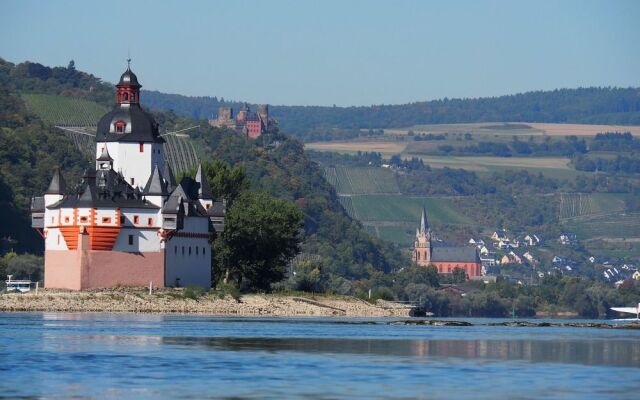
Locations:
{"points": [[172, 301]]}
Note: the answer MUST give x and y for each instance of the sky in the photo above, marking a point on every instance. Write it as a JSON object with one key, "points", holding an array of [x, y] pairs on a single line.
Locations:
{"points": [[328, 52]]}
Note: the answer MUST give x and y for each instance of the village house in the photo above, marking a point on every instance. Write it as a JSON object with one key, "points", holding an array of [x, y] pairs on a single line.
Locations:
{"points": [[532, 240], [499, 235], [568, 239], [530, 257]]}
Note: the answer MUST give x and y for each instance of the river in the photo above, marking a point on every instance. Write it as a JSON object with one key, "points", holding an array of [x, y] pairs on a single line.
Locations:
{"points": [[131, 356]]}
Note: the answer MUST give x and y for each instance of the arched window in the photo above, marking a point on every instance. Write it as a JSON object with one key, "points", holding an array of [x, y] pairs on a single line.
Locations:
{"points": [[126, 97]]}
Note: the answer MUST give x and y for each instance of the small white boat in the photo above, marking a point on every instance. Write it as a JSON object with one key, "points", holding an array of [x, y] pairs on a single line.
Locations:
{"points": [[21, 286], [629, 310]]}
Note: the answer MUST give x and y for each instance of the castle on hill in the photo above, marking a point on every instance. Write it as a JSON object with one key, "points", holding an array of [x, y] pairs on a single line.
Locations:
{"points": [[442, 256], [250, 124], [129, 223]]}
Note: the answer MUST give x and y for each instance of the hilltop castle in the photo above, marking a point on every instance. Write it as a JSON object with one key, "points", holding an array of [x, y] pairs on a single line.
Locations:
{"points": [[129, 223], [247, 122], [444, 257]]}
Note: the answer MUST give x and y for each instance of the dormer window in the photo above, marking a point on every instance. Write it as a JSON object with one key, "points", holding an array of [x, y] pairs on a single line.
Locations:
{"points": [[120, 126]]}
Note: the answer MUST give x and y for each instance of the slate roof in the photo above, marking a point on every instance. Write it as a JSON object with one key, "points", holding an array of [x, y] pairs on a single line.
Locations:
{"points": [[107, 189], [156, 185], [185, 195], [141, 126], [57, 184], [218, 209], [445, 253], [204, 190], [128, 78]]}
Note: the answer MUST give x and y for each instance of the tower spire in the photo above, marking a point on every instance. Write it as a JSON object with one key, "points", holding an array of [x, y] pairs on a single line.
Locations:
{"points": [[424, 225]]}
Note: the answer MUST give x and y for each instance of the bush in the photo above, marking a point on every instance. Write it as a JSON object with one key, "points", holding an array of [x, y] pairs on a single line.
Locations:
{"points": [[224, 289], [193, 292]]}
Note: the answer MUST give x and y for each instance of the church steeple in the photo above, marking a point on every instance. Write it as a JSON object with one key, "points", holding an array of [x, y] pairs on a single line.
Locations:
{"points": [[424, 225]]}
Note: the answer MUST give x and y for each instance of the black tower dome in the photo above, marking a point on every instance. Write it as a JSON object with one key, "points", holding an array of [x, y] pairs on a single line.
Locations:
{"points": [[128, 78], [128, 122]]}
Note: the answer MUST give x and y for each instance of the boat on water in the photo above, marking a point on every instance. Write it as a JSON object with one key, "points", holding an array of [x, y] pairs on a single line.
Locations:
{"points": [[629, 310], [21, 286]]}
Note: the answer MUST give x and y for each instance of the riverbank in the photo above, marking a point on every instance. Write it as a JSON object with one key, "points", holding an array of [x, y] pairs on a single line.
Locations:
{"points": [[173, 301]]}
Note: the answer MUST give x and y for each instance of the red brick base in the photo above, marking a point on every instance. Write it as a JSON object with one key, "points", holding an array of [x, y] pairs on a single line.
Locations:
{"points": [[78, 269]]}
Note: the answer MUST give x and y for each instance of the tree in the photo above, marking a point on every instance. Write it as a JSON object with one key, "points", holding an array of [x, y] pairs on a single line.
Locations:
{"points": [[226, 182], [261, 235]]}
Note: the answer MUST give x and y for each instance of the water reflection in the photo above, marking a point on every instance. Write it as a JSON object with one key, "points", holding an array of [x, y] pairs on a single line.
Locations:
{"points": [[624, 353]]}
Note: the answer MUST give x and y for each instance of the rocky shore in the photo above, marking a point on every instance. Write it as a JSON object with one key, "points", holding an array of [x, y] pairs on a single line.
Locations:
{"points": [[174, 301]]}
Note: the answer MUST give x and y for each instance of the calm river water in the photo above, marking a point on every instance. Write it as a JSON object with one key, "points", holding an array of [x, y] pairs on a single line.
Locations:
{"points": [[127, 356]]}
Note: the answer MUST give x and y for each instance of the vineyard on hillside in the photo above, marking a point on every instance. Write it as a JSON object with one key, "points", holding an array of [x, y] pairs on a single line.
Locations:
{"points": [[64, 111], [361, 180], [79, 119], [585, 205]]}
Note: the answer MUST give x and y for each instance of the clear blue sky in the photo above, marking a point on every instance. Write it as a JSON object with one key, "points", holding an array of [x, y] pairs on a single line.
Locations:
{"points": [[334, 52]]}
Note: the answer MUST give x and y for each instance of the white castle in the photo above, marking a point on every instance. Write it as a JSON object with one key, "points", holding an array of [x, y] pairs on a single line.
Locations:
{"points": [[129, 223]]}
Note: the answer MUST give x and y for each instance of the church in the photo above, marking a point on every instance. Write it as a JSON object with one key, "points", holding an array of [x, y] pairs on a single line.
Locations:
{"points": [[442, 256], [128, 223]]}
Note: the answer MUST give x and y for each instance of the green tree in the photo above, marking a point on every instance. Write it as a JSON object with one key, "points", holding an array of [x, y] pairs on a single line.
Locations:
{"points": [[226, 182], [261, 235]]}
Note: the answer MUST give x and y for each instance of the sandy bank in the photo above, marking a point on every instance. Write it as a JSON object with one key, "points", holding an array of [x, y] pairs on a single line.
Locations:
{"points": [[172, 301]]}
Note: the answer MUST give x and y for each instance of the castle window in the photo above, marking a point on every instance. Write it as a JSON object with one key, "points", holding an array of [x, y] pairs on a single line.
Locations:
{"points": [[189, 250], [120, 126], [182, 250], [122, 219], [126, 97], [66, 219], [141, 147], [83, 219], [203, 250], [136, 219], [132, 181], [197, 248], [150, 221], [130, 240], [106, 220]]}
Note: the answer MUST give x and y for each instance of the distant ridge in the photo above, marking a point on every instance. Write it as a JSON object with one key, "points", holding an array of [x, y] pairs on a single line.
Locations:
{"points": [[595, 105]]}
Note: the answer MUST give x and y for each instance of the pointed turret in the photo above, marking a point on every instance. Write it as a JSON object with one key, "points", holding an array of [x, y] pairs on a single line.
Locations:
{"points": [[424, 225], [170, 178], [104, 162], [57, 185], [156, 185], [204, 191]]}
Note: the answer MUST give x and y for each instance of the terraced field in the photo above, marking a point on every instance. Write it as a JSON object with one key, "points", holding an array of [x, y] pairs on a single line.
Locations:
{"points": [[395, 217], [361, 180], [65, 111], [618, 226], [586, 205]]}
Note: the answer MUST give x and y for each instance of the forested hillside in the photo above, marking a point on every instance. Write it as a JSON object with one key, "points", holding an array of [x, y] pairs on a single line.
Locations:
{"points": [[583, 105]]}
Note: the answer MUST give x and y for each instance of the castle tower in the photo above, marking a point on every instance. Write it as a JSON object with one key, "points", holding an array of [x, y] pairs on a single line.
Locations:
{"points": [[130, 135], [422, 246]]}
